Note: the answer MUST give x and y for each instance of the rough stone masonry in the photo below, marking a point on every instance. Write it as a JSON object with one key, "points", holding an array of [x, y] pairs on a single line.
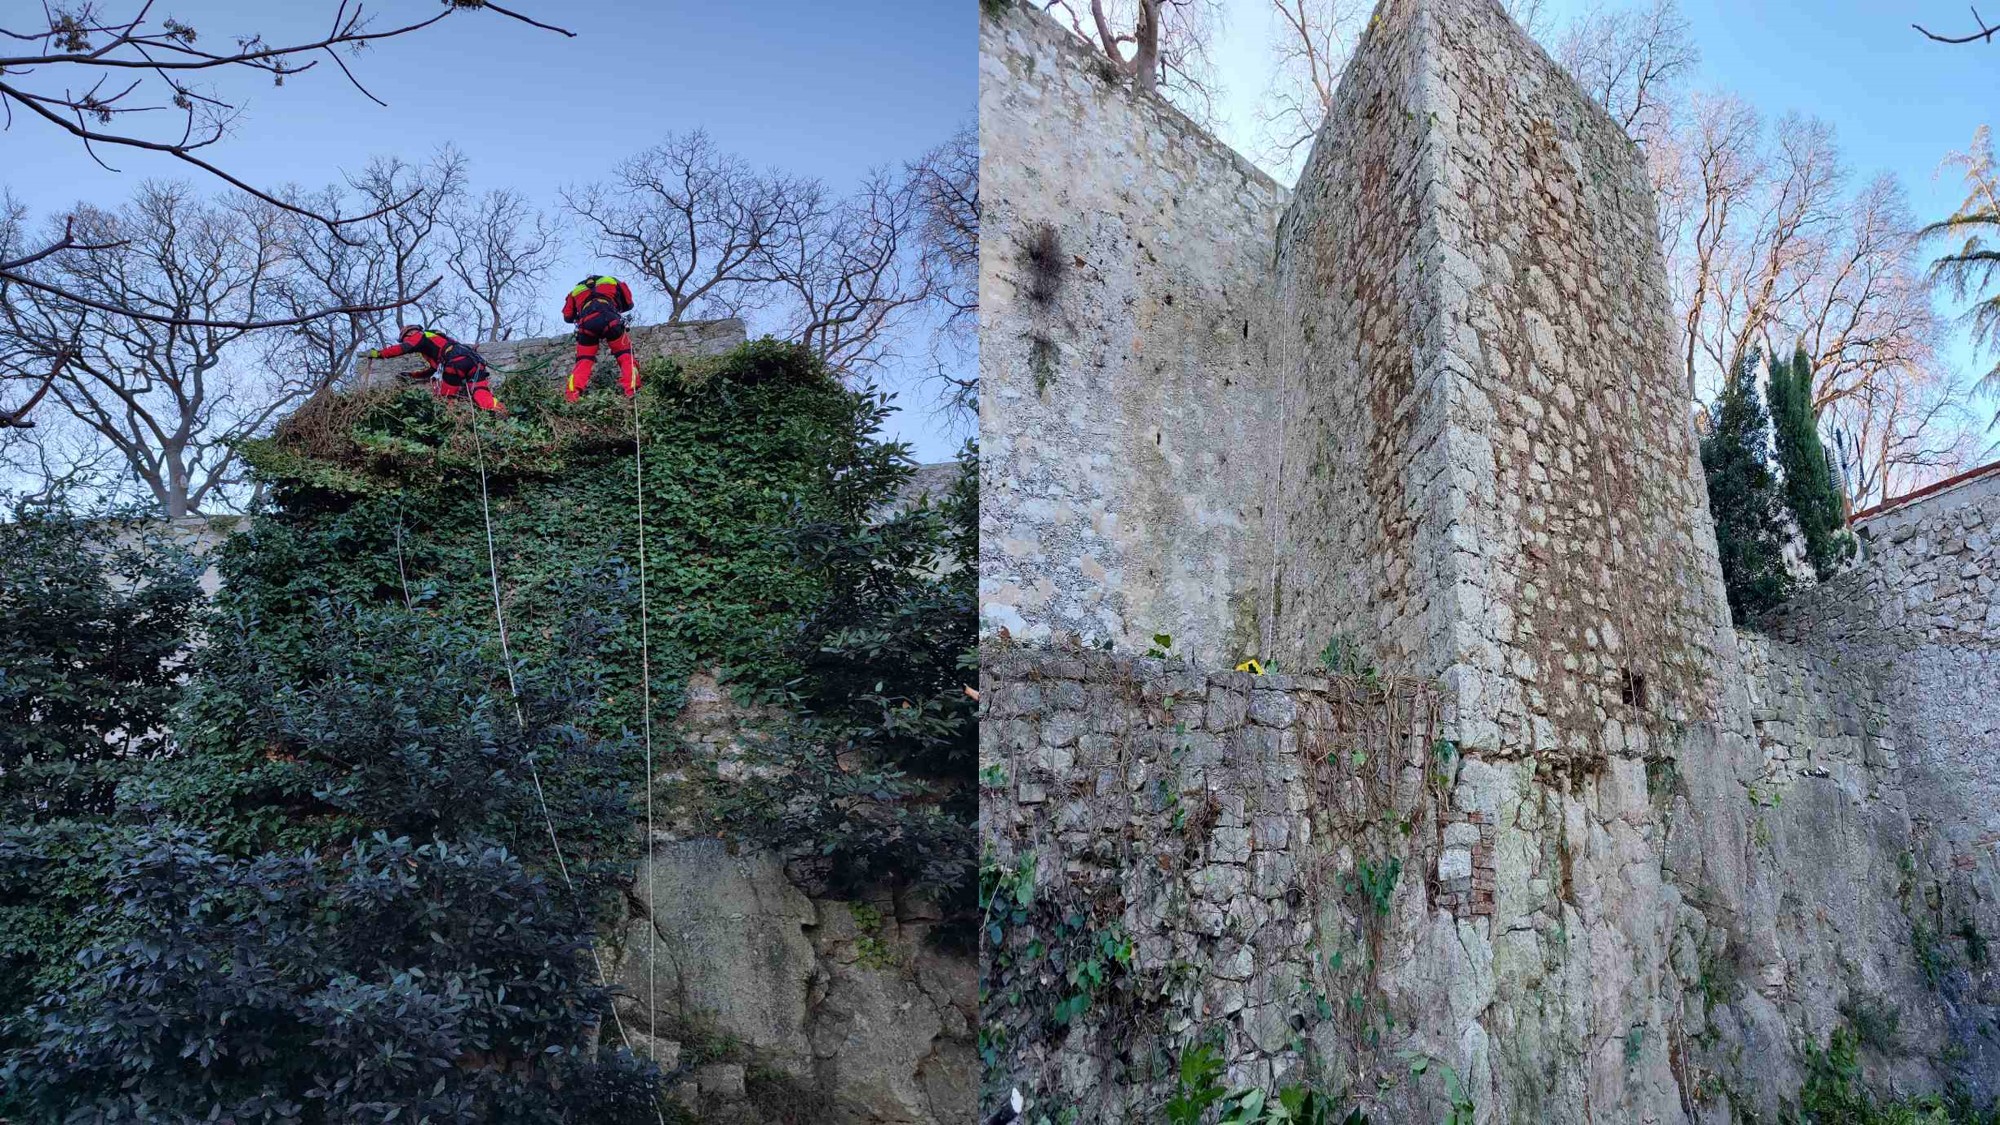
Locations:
{"points": [[1420, 415]]}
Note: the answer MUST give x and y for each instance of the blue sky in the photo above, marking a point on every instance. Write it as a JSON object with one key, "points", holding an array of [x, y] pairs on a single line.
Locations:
{"points": [[1898, 102], [815, 88]]}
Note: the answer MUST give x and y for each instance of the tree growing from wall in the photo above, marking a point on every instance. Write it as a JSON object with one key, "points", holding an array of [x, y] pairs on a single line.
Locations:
{"points": [[1744, 497], [1812, 492], [1158, 45]]}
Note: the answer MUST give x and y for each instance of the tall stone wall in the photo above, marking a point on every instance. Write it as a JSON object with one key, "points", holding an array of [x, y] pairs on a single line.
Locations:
{"points": [[1125, 401], [1922, 609], [1920, 615]]}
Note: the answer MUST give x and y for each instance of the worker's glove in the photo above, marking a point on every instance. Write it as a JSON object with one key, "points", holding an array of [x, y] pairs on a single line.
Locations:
{"points": [[374, 353]]}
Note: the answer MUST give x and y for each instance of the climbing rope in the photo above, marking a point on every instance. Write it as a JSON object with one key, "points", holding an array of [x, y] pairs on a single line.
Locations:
{"points": [[534, 773], [645, 695]]}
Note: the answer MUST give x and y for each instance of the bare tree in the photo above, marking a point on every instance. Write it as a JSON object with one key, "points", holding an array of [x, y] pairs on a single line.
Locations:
{"points": [[1893, 434], [1159, 45], [502, 248], [1532, 15], [155, 388], [946, 183], [103, 79], [1313, 41], [693, 221], [405, 220], [849, 270], [1970, 265], [1632, 61], [324, 268]]}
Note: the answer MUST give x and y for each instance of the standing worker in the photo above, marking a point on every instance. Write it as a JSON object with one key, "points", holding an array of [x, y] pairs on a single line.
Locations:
{"points": [[457, 368], [597, 306]]}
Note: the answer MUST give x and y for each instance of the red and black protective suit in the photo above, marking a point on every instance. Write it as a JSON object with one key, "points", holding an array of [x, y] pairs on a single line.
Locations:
{"points": [[597, 306], [458, 368]]}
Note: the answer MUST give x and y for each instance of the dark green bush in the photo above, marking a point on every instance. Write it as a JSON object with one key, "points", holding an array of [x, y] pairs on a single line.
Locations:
{"points": [[94, 619], [436, 982]]}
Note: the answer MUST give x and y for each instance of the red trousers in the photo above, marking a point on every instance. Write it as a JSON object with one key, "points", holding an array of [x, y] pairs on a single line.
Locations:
{"points": [[602, 324], [482, 395]]}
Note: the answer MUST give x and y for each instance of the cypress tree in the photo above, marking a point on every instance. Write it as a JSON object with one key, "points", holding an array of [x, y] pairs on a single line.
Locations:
{"points": [[1744, 497], [1810, 490]]}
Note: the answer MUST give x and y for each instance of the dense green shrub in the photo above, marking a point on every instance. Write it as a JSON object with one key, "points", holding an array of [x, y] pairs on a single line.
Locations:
{"points": [[390, 982], [94, 618], [1744, 498], [1833, 1094]]}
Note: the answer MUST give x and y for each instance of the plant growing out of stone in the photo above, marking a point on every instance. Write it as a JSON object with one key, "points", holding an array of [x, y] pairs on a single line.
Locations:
{"points": [[1162, 647], [1375, 883], [1042, 261], [1197, 1088], [1444, 766], [1096, 957], [1462, 1108], [1342, 656]]}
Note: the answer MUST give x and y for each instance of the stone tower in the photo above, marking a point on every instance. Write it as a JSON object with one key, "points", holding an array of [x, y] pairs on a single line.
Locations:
{"points": [[1487, 469]]}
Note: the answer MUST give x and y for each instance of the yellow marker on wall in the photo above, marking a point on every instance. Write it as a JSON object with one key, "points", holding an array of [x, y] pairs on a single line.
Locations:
{"points": [[1251, 666]]}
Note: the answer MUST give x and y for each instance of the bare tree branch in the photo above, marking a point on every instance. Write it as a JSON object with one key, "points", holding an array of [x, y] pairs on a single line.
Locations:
{"points": [[17, 418], [502, 250], [1169, 41], [1986, 32]]}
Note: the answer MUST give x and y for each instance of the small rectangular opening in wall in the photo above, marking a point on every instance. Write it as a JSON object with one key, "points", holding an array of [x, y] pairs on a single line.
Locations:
{"points": [[1632, 688]]}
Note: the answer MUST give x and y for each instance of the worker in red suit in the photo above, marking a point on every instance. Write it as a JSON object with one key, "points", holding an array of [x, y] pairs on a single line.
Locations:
{"points": [[597, 306], [457, 368]]}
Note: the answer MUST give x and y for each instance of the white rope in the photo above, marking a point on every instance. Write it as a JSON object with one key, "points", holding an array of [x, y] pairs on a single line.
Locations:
{"points": [[646, 701], [514, 692]]}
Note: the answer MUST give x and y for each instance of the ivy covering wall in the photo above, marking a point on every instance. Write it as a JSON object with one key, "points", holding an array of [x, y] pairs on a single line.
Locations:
{"points": [[368, 862]]}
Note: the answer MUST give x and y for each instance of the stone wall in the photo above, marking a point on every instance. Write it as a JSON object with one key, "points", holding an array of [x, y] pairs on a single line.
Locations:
{"points": [[1921, 612], [1489, 471], [1125, 401], [1920, 615], [1220, 823], [1664, 860], [550, 356]]}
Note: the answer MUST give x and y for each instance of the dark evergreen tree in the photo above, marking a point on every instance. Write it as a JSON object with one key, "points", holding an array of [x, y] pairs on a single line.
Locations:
{"points": [[1744, 497], [94, 618], [1810, 489]]}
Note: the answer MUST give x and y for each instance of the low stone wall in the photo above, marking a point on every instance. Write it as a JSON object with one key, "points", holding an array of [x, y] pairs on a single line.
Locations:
{"points": [[1191, 856], [550, 356]]}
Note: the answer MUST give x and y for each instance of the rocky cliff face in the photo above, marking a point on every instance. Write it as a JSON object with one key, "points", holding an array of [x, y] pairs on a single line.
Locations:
{"points": [[843, 1012], [1643, 862]]}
